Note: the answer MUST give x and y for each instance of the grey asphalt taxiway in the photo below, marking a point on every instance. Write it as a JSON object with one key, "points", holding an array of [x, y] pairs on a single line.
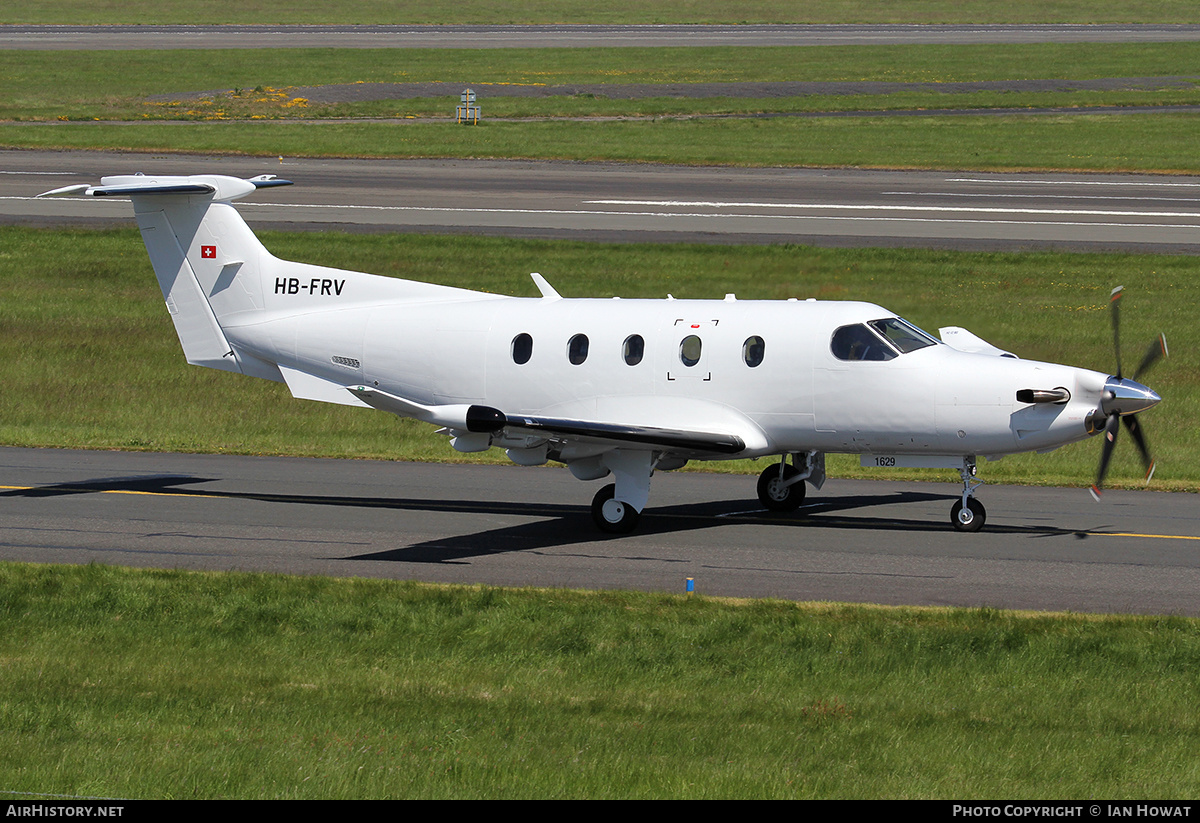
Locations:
{"points": [[879, 542], [615, 202]]}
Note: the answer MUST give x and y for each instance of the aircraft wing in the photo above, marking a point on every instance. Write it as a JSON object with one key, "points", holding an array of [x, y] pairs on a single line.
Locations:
{"points": [[486, 419], [686, 426]]}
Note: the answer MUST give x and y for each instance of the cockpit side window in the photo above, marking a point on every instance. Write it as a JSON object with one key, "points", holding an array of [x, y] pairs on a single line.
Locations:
{"points": [[858, 342], [903, 335]]}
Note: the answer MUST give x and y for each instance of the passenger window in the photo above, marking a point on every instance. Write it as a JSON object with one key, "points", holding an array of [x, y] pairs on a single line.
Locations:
{"points": [[689, 350], [577, 349], [634, 349], [753, 350], [857, 342], [522, 348]]}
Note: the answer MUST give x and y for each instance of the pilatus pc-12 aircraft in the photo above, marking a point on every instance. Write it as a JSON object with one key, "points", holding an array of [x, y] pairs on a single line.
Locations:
{"points": [[610, 386]]}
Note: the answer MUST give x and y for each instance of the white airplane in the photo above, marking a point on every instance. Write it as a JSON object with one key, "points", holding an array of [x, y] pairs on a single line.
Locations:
{"points": [[612, 386]]}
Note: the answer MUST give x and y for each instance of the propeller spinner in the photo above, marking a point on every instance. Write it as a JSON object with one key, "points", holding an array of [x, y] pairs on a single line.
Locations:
{"points": [[1123, 398]]}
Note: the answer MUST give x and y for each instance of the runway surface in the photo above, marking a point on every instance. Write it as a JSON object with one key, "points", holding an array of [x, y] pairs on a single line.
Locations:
{"points": [[613, 202], [566, 36], [880, 542]]}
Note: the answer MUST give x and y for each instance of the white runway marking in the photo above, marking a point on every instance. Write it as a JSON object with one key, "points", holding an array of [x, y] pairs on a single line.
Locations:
{"points": [[717, 204], [991, 196], [874, 218], [1021, 182]]}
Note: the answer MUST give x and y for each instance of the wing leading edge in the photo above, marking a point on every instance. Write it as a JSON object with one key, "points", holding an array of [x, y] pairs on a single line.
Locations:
{"points": [[484, 419], [721, 436]]}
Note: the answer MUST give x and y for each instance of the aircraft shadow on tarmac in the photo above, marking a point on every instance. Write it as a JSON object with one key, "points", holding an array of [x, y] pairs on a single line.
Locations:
{"points": [[146, 484], [559, 525], [572, 525]]}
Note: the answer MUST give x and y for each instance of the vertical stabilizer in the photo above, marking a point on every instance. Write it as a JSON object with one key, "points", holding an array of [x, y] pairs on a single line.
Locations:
{"points": [[235, 306], [205, 257], [200, 334]]}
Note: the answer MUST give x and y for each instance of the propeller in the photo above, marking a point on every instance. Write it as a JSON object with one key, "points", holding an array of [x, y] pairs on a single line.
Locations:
{"points": [[1122, 399]]}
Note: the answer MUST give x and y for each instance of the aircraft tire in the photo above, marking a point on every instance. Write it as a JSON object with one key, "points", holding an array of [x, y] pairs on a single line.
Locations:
{"points": [[969, 519], [626, 516], [772, 492]]}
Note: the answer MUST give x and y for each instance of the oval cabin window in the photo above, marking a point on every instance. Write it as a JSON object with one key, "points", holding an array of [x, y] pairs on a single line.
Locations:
{"points": [[522, 348], [689, 350], [634, 349], [753, 350], [577, 349]]}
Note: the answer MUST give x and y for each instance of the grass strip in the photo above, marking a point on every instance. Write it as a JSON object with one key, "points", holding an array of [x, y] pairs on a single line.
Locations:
{"points": [[291, 105], [90, 358], [91, 84], [167, 684], [1157, 143], [493, 12]]}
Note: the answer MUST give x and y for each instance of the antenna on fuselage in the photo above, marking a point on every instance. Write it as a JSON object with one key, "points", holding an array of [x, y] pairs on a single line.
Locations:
{"points": [[545, 288]]}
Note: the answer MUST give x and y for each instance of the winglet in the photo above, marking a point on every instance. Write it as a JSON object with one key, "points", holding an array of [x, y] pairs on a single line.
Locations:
{"points": [[66, 191], [268, 181], [545, 288]]}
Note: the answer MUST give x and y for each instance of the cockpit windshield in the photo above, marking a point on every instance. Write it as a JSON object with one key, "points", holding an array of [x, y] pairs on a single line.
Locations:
{"points": [[878, 340], [903, 335]]}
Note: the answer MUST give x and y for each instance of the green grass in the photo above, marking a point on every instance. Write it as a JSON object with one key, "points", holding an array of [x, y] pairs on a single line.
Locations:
{"points": [[1103, 143], [589, 105], [162, 684], [91, 84], [90, 359], [143, 12]]}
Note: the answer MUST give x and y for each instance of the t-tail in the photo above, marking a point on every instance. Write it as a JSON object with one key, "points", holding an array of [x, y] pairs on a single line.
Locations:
{"points": [[209, 264], [216, 276]]}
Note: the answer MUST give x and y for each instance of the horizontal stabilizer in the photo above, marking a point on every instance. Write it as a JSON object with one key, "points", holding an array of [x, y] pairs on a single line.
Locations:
{"points": [[127, 185]]}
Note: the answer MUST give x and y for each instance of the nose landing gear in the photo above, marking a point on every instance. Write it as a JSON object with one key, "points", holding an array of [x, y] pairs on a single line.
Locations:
{"points": [[968, 514]]}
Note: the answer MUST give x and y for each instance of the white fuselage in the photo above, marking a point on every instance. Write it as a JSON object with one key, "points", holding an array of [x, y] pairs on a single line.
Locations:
{"points": [[935, 400]]}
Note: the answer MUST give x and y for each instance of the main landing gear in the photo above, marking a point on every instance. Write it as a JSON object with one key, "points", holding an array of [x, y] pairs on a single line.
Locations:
{"points": [[968, 514], [617, 507], [612, 515], [781, 487]]}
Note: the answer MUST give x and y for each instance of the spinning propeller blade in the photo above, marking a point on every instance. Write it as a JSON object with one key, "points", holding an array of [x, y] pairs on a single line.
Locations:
{"points": [[1124, 399], [1114, 303], [1156, 352]]}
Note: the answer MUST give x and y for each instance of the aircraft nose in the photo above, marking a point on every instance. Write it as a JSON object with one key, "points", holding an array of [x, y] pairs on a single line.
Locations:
{"points": [[1123, 396]]}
